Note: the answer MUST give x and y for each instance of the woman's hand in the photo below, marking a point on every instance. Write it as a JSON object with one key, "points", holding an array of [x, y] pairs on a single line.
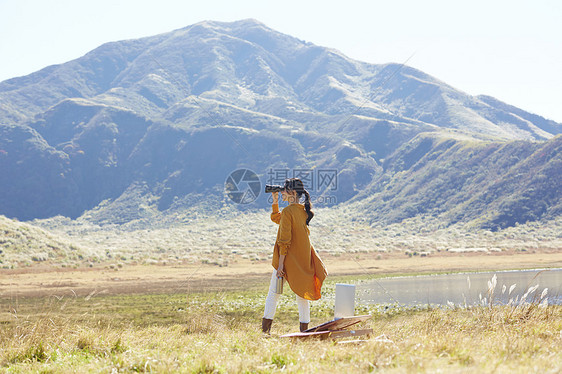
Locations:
{"points": [[275, 197], [280, 271]]}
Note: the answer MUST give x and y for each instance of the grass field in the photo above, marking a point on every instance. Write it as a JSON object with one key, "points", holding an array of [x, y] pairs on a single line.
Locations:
{"points": [[188, 297], [219, 332]]}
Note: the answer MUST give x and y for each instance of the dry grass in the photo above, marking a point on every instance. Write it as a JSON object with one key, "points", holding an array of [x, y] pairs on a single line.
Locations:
{"points": [[231, 236], [219, 333]]}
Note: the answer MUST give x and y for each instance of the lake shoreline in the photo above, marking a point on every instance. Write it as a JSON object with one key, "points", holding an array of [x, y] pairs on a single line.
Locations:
{"points": [[245, 274]]}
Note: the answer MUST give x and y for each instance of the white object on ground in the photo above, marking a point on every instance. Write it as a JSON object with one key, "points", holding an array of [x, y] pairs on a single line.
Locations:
{"points": [[345, 300]]}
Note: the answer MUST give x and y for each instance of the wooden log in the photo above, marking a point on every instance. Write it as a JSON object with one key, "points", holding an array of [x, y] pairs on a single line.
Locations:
{"points": [[308, 335], [322, 335], [339, 324], [348, 333]]}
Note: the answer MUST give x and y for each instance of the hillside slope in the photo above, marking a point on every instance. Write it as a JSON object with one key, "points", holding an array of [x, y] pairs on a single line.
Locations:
{"points": [[487, 184], [25, 244], [163, 120]]}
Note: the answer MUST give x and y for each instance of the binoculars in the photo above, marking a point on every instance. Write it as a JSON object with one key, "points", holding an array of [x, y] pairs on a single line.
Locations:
{"points": [[272, 188]]}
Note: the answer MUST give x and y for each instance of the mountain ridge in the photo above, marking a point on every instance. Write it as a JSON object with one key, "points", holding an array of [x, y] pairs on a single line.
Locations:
{"points": [[179, 111], [143, 55]]}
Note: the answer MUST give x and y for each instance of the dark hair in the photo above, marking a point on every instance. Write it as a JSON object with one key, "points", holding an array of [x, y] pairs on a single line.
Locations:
{"points": [[295, 184]]}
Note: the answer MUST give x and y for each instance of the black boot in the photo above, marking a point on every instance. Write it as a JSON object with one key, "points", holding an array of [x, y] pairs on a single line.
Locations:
{"points": [[266, 325], [303, 326]]}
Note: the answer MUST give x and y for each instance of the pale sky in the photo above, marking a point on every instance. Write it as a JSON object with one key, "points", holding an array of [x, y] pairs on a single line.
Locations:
{"points": [[509, 49]]}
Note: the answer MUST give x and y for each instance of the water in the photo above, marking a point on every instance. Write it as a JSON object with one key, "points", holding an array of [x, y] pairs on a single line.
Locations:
{"points": [[465, 288]]}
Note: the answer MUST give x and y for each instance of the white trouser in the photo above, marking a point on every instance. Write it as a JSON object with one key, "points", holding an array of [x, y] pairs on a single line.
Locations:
{"points": [[272, 298]]}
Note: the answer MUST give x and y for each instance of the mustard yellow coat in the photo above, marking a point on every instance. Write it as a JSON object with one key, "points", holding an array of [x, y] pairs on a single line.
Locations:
{"points": [[304, 270]]}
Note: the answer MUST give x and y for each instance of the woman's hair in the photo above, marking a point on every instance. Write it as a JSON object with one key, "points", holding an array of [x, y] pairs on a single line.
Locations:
{"points": [[296, 185]]}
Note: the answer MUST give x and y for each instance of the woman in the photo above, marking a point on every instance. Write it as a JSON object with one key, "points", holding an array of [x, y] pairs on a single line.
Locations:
{"points": [[293, 257]]}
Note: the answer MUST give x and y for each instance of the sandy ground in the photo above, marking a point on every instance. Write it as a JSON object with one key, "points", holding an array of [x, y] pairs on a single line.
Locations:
{"points": [[241, 274]]}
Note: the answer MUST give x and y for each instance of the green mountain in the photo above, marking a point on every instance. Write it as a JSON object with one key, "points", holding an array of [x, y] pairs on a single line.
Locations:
{"points": [[488, 184], [145, 127]]}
